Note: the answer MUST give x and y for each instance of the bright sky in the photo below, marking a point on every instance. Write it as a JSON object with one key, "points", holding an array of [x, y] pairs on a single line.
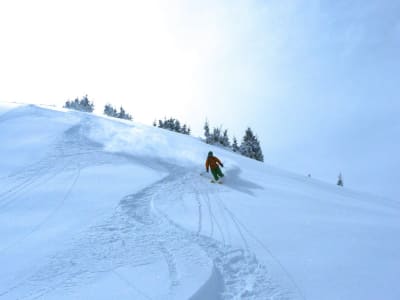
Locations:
{"points": [[318, 81]]}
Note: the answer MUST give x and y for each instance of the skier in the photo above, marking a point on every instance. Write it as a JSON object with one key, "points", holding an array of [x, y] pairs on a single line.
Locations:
{"points": [[213, 163]]}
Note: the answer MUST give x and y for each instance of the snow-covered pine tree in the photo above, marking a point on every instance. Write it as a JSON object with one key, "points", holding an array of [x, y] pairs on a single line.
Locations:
{"points": [[173, 125], [110, 111], [82, 105], [225, 139], [86, 105], [177, 126], [76, 105], [123, 114], [216, 136], [207, 134], [340, 180], [168, 124], [250, 146], [235, 147], [163, 123], [68, 104], [107, 109], [184, 129]]}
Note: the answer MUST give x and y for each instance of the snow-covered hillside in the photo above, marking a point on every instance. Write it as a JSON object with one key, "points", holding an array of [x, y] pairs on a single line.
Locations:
{"points": [[98, 208]]}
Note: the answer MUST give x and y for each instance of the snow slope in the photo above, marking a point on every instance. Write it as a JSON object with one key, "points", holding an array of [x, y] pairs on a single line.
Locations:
{"points": [[98, 208]]}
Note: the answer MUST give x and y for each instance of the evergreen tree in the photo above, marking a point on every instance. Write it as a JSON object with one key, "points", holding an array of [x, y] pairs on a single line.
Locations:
{"points": [[184, 129], [110, 111], [216, 136], [173, 125], [177, 126], [166, 124], [340, 180], [82, 105], [225, 139], [123, 114], [235, 146], [207, 134], [250, 146], [86, 105]]}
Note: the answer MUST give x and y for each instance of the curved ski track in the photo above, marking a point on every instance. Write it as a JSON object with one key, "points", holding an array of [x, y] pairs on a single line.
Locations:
{"points": [[137, 232]]}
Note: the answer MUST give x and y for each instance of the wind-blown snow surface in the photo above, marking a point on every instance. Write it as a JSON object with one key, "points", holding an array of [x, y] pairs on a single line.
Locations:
{"points": [[96, 208]]}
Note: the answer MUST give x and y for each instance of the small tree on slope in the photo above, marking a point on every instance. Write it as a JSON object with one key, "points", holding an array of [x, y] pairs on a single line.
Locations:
{"points": [[235, 146], [110, 111], [82, 105], [340, 180], [207, 133], [225, 139], [123, 114], [250, 146], [173, 125]]}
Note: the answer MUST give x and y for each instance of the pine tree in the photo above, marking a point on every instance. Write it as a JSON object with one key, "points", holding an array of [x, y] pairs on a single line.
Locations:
{"points": [[82, 105], [216, 136], [110, 111], [207, 134], [86, 105], [184, 129], [235, 146], [123, 114], [250, 146], [177, 126], [340, 180], [167, 124], [225, 139], [173, 125]]}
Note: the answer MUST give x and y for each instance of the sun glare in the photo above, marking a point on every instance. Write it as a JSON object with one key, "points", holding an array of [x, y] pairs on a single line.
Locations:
{"points": [[127, 52]]}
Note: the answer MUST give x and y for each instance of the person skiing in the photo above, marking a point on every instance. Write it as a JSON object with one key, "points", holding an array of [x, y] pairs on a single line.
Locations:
{"points": [[213, 163]]}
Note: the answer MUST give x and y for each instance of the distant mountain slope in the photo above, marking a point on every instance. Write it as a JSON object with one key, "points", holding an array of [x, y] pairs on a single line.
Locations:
{"points": [[98, 208]]}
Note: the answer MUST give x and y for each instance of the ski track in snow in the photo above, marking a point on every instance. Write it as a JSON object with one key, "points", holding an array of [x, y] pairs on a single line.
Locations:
{"points": [[137, 233]]}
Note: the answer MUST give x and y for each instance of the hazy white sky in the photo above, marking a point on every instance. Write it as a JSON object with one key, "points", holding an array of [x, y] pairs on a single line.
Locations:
{"points": [[318, 81]]}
